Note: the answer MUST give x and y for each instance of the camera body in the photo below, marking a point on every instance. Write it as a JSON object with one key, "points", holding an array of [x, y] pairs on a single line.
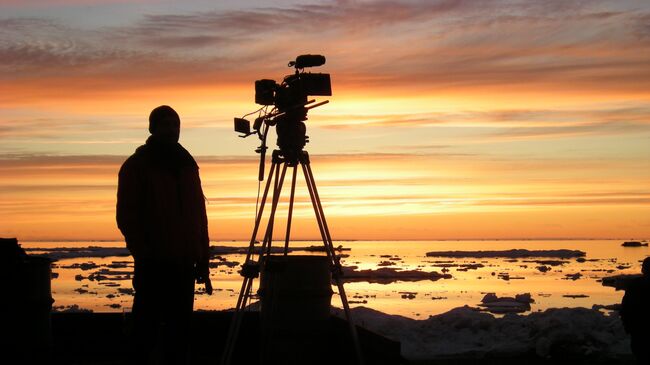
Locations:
{"points": [[293, 91], [290, 103]]}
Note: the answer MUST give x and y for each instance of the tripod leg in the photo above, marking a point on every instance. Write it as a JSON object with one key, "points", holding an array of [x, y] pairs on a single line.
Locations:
{"points": [[248, 281], [293, 194], [258, 219], [327, 241], [316, 212], [268, 241], [268, 237], [235, 322], [320, 214]]}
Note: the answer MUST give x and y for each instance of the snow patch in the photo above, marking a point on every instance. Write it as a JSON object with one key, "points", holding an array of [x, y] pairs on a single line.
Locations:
{"points": [[467, 333]]}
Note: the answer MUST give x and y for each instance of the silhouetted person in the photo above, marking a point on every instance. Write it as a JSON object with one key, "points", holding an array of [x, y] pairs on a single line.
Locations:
{"points": [[635, 313], [161, 213]]}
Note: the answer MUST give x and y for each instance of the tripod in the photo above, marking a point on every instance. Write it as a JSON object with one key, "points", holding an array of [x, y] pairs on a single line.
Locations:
{"points": [[251, 267]]}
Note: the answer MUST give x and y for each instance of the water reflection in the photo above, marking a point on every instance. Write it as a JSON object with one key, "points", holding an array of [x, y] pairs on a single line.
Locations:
{"points": [[103, 284]]}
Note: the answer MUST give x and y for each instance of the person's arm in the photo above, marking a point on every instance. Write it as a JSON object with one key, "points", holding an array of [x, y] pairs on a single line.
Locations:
{"points": [[129, 209], [624, 312], [203, 262], [628, 308]]}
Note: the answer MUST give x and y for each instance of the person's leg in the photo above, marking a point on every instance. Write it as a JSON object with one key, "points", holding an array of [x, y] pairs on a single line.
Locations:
{"points": [[145, 312], [178, 314]]}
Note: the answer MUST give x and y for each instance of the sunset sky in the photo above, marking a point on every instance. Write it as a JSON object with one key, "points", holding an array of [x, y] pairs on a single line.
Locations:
{"points": [[449, 119]]}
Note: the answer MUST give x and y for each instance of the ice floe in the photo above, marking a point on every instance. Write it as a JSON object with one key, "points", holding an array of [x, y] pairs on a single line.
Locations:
{"points": [[387, 275], [634, 244], [514, 253], [573, 277], [549, 262], [575, 296], [518, 304], [74, 308]]}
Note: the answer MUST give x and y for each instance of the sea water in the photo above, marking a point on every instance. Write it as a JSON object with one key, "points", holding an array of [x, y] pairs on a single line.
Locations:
{"points": [[80, 283]]}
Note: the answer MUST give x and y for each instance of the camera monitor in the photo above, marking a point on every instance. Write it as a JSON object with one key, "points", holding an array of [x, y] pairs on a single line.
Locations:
{"points": [[242, 126]]}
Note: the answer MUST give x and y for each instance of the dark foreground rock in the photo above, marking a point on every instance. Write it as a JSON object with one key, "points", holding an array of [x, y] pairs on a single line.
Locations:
{"points": [[102, 338]]}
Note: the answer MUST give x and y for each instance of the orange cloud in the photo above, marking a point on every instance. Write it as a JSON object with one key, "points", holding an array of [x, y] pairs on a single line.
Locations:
{"points": [[414, 47], [48, 197]]}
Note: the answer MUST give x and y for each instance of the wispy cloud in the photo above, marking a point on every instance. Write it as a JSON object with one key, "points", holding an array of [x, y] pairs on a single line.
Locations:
{"points": [[593, 129], [438, 45], [513, 124]]}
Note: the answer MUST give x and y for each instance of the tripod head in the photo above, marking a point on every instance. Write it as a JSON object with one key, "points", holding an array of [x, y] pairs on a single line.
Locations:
{"points": [[289, 105]]}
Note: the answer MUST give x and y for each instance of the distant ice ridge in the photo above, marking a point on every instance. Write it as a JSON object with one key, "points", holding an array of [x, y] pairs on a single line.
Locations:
{"points": [[514, 253], [59, 253], [467, 333]]}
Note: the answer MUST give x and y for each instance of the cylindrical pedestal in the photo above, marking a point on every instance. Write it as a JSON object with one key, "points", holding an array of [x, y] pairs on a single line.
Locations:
{"points": [[295, 295], [27, 307]]}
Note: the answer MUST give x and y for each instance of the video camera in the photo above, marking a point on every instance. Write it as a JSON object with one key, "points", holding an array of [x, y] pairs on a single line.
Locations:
{"points": [[290, 105]]}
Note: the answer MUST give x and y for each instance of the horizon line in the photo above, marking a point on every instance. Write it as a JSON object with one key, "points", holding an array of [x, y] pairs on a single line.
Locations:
{"points": [[373, 240]]}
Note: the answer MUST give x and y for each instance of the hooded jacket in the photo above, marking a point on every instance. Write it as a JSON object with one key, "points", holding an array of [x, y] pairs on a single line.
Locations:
{"points": [[161, 206]]}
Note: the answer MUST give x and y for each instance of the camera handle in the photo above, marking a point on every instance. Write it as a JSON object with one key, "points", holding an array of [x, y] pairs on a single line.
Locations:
{"points": [[262, 151]]}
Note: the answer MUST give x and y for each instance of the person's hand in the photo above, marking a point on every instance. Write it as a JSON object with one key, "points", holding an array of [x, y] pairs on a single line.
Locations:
{"points": [[205, 280], [208, 284], [203, 276]]}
